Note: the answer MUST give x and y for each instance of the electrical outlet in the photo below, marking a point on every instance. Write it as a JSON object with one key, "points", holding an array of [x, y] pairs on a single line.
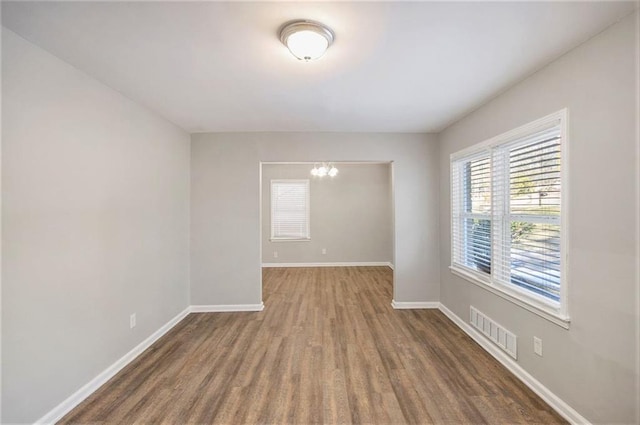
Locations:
{"points": [[324, 251], [537, 346], [132, 321], [275, 254]]}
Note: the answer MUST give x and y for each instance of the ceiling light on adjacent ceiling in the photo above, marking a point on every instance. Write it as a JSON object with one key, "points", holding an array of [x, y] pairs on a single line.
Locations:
{"points": [[306, 40], [324, 170]]}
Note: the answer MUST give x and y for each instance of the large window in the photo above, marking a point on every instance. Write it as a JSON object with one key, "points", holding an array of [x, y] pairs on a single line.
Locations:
{"points": [[507, 204], [290, 210]]}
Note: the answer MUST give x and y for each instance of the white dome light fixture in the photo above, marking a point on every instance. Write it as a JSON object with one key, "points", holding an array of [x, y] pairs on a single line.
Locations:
{"points": [[306, 40]]}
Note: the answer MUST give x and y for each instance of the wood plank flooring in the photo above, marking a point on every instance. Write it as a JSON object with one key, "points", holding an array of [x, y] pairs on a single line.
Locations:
{"points": [[327, 349]]}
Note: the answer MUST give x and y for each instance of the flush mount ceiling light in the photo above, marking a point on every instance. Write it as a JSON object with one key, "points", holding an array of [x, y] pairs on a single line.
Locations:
{"points": [[306, 40]]}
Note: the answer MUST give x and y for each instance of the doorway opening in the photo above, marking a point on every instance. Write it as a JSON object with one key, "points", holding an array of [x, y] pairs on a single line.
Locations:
{"points": [[345, 219]]}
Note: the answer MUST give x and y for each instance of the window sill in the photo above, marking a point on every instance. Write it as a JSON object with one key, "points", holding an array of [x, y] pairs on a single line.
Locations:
{"points": [[545, 311], [289, 240]]}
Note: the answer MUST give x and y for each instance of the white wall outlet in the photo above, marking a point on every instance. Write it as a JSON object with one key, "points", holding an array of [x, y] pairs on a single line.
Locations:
{"points": [[537, 346], [324, 251], [275, 254], [132, 321]]}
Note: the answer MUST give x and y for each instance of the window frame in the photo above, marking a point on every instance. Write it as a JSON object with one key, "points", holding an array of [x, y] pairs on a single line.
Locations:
{"points": [[274, 238], [556, 312]]}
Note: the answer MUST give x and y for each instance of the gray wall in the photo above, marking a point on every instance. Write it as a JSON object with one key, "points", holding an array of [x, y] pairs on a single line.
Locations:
{"points": [[225, 218], [350, 215], [593, 365], [95, 216]]}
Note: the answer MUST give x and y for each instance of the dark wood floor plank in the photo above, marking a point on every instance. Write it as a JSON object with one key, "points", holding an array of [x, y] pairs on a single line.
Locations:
{"points": [[327, 349]]}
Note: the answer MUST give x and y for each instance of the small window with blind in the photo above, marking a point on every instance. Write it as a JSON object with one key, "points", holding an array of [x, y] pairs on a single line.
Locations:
{"points": [[289, 210], [507, 199]]}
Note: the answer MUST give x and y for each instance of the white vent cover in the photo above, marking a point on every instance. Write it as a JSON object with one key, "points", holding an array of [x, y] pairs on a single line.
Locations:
{"points": [[495, 332]]}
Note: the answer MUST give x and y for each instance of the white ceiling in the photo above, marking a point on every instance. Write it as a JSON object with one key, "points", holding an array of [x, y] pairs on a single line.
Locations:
{"points": [[394, 67]]}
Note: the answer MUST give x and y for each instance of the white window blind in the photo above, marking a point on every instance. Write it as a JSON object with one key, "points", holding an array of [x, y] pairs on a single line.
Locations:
{"points": [[290, 209], [472, 213], [506, 213]]}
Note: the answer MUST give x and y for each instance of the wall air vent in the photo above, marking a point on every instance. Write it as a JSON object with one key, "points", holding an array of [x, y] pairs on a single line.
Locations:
{"points": [[495, 332]]}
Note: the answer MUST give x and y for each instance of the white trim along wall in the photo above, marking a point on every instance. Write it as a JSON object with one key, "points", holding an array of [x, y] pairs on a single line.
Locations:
{"points": [[344, 264]]}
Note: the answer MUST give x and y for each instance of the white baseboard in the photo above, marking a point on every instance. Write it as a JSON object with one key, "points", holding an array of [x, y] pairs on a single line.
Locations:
{"points": [[347, 264], [79, 396], [536, 386], [400, 305], [226, 308]]}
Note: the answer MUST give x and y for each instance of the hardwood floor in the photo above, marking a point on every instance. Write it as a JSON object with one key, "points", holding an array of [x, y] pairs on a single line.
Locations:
{"points": [[328, 348]]}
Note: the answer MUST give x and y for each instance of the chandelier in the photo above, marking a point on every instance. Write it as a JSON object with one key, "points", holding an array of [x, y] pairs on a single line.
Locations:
{"points": [[325, 169]]}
